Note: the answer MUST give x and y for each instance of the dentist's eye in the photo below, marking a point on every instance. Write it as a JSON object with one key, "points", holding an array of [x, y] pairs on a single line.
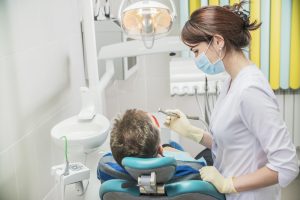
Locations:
{"points": [[195, 52]]}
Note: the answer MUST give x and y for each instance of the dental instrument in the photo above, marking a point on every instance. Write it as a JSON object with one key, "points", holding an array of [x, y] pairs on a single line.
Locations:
{"points": [[207, 95], [201, 112], [172, 114], [206, 103]]}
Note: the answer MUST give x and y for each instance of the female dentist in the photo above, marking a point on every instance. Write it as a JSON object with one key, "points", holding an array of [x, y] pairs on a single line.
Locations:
{"points": [[251, 146]]}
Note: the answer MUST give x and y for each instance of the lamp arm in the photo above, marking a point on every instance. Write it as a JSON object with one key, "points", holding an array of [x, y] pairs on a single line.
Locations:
{"points": [[173, 8], [120, 10]]}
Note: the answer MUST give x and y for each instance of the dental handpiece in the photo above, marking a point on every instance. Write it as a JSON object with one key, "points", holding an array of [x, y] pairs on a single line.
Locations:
{"points": [[172, 114]]}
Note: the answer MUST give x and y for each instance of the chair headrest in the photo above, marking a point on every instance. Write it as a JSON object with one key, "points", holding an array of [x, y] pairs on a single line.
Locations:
{"points": [[164, 167]]}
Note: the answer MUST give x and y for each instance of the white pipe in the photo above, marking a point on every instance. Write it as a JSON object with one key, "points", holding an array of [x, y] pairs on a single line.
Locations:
{"points": [[105, 79], [120, 11], [91, 59], [90, 42], [137, 48], [107, 76], [174, 13]]}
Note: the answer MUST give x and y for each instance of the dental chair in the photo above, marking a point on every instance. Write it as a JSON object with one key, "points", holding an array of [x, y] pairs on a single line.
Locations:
{"points": [[152, 178]]}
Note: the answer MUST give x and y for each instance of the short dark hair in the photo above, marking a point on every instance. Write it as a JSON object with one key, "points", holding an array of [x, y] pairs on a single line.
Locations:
{"points": [[231, 22], [134, 135]]}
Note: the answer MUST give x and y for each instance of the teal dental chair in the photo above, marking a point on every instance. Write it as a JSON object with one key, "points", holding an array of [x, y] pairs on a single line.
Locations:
{"points": [[151, 178]]}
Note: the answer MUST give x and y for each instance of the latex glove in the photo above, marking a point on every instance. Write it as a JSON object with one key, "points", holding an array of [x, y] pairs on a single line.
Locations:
{"points": [[212, 175], [183, 126]]}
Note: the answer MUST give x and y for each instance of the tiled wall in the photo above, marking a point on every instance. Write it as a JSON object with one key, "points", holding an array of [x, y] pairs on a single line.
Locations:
{"points": [[41, 70]]}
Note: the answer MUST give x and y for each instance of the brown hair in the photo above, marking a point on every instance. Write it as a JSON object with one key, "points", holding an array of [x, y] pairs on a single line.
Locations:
{"points": [[134, 135], [231, 22]]}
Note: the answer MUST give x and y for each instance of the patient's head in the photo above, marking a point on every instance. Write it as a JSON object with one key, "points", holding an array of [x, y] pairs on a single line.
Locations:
{"points": [[135, 134]]}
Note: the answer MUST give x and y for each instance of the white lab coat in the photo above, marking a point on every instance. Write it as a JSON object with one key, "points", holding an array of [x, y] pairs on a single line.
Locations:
{"points": [[249, 133]]}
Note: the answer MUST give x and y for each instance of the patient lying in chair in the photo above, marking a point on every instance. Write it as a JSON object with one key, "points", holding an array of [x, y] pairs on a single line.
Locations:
{"points": [[137, 134]]}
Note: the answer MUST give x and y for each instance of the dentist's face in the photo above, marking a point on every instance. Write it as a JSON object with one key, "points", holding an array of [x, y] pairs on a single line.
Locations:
{"points": [[199, 48], [208, 48]]}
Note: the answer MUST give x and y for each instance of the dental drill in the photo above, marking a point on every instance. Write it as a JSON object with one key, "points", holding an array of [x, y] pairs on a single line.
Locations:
{"points": [[172, 114]]}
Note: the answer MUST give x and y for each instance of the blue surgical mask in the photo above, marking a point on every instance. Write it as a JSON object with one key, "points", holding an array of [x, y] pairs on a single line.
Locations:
{"points": [[203, 63]]}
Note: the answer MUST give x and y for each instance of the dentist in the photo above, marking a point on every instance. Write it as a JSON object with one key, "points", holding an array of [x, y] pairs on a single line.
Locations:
{"points": [[251, 146]]}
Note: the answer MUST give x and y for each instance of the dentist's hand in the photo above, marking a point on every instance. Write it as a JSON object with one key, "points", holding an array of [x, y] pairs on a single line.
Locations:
{"points": [[183, 126], [212, 175]]}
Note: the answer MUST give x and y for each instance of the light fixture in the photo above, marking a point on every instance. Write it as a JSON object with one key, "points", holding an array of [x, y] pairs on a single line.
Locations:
{"points": [[146, 20]]}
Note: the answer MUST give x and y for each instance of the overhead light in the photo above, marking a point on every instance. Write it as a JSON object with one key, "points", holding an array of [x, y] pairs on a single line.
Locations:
{"points": [[147, 20]]}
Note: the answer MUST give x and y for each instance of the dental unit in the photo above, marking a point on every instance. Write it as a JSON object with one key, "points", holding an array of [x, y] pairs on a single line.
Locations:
{"points": [[89, 129], [90, 124]]}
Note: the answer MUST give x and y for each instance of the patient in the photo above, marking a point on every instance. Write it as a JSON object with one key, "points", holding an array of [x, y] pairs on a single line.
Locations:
{"points": [[136, 134]]}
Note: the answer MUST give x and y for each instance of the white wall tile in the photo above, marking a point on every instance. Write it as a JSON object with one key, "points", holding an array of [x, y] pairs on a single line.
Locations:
{"points": [[158, 94], [8, 181], [132, 93], [28, 177], [297, 121], [10, 120], [52, 195], [112, 100], [36, 81], [157, 65], [289, 111], [19, 25], [141, 71], [48, 66], [5, 39], [59, 19], [42, 143], [41, 70], [35, 154], [27, 24]]}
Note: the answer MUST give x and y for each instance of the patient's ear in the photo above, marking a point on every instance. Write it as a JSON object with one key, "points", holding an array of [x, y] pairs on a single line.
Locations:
{"points": [[160, 150]]}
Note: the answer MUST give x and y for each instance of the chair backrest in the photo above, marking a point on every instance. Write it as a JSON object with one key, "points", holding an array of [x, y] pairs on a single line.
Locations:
{"points": [[109, 169], [150, 179], [183, 190], [164, 167]]}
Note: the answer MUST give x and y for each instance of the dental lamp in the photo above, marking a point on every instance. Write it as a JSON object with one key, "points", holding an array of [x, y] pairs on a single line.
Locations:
{"points": [[146, 20]]}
